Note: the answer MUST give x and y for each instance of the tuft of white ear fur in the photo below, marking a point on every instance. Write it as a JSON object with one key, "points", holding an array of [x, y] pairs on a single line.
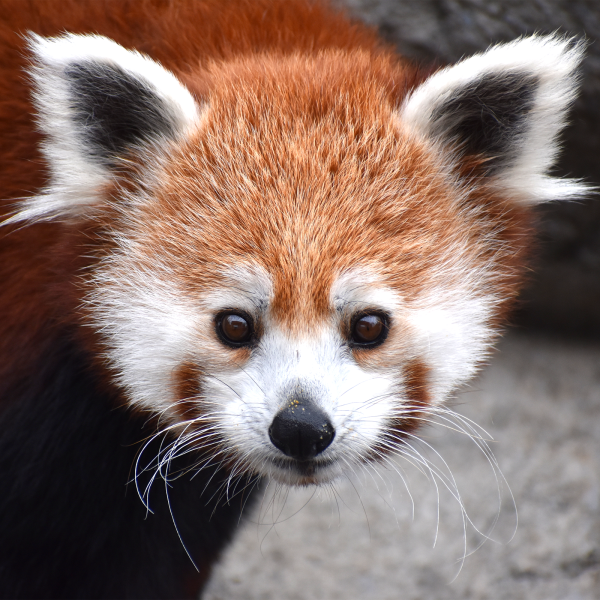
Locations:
{"points": [[540, 80], [159, 108]]}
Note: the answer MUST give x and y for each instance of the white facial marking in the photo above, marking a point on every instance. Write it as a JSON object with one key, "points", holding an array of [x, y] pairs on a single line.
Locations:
{"points": [[150, 328], [452, 333], [247, 287], [354, 399], [360, 286]]}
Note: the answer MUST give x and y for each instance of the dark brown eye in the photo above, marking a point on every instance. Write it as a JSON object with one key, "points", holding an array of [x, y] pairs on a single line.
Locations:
{"points": [[234, 329], [369, 329]]}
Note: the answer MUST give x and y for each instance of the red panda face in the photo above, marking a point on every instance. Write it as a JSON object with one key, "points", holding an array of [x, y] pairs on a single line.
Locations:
{"points": [[301, 245], [298, 269]]}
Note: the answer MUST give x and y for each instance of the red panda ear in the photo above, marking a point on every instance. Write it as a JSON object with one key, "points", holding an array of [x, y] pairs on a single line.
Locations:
{"points": [[507, 107], [96, 101]]}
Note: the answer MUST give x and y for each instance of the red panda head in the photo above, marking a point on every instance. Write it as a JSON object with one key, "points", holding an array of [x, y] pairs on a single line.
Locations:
{"points": [[302, 255]]}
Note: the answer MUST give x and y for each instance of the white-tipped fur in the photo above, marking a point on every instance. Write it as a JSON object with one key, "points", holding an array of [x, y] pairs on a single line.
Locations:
{"points": [[76, 181], [553, 61], [360, 286]]}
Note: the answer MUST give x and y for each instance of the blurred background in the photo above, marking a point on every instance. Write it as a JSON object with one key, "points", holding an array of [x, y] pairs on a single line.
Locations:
{"points": [[402, 533]]}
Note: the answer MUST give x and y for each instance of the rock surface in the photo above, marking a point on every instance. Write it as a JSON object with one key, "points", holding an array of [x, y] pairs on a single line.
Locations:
{"points": [[540, 399], [565, 291]]}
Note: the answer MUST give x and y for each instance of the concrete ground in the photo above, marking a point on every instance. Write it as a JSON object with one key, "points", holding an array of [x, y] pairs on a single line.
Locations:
{"points": [[540, 400]]}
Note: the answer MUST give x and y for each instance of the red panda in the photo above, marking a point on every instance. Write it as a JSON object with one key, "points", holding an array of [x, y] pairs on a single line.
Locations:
{"points": [[240, 240]]}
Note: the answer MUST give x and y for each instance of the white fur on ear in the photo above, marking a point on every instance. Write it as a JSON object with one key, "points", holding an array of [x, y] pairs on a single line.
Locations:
{"points": [[508, 105], [95, 100]]}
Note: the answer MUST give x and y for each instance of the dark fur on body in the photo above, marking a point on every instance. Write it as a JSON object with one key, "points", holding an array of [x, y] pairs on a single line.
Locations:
{"points": [[71, 522]]}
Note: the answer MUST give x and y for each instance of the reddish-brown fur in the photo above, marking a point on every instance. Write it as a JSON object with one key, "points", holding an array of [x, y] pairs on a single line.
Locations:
{"points": [[291, 67], [36, 278], [338, 151]]}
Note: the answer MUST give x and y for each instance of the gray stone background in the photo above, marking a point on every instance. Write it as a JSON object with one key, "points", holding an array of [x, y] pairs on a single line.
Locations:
{"points": [[539, 399]]}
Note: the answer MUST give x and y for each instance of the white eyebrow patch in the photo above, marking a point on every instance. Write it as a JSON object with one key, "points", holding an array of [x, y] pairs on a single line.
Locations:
{"points": [[248, 287], [361, 287]]}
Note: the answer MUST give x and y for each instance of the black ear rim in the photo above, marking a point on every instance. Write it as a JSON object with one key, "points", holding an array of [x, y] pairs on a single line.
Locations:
{"points": [[488, 117], [115, 110]]}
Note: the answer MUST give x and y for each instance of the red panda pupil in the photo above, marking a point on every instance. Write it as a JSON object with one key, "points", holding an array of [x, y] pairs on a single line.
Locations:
{"points": [[368, 329], [235, 328]]}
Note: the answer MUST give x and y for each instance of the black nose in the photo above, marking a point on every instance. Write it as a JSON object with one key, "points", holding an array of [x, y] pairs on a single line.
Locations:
{"points": [[301, 430]]}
